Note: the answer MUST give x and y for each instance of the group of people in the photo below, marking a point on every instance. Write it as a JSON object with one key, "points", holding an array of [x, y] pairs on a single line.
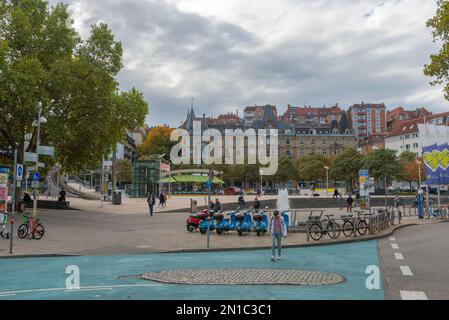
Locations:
{"points": [[151, 200]]}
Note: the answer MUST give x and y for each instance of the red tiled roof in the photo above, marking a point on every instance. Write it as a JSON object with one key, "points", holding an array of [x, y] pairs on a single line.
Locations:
{"points": [[405, 127]]}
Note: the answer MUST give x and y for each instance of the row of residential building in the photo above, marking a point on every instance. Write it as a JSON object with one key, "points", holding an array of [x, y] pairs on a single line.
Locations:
{"points": [[326, 130]]}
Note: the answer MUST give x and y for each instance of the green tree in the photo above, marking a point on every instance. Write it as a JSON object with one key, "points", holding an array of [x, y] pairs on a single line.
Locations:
{"points": [[124, 171], [383, 163], [45, 63], [346, 166], [311, 168], [438, 68]]}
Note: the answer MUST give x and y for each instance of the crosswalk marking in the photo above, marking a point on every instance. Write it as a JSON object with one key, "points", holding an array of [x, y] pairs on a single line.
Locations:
{"points": [[398, 256], [395, 246], [413, 295], [392, 239], [406, 271]]}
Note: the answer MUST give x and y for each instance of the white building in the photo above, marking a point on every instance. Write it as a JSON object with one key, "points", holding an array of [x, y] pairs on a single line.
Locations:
{"points": [[405, 136]]}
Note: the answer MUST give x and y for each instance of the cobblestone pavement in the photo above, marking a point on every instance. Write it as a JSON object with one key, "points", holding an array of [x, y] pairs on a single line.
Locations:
{"points": [[245, 277]]}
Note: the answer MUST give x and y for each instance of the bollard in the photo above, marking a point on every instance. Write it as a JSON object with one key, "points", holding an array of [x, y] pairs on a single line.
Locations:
{"points": [[371, 225], [333, 228], [399, 217]]}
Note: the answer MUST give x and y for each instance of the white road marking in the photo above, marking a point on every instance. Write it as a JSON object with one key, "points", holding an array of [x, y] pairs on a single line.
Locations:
{"points": [[392, 239], [406, 271], [395, 246], [7, 295], [91, 289], [144, 247], [413, 295], [398, 256], [81, 288]]}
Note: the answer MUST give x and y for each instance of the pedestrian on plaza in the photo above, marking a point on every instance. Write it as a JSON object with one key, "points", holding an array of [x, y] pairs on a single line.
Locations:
{"points": [[257, 205], [217, 206], [397, 202], [161, 200], [278, 230], [151, 202], [62, 195], [350, 202], [241, 201], [336, 194], [165, 200]]}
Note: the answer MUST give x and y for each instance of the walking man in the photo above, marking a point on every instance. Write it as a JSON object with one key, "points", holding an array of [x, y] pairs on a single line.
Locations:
{"points": [[278, 230], [151, 202], [350, 202]]}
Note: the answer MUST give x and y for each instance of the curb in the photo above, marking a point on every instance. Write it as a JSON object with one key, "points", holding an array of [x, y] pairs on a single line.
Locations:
{"points": [[56, 255], [291, 246]]}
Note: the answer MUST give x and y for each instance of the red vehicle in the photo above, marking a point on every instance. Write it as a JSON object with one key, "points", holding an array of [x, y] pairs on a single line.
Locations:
{"points": [[233, 191], [194, 220]]}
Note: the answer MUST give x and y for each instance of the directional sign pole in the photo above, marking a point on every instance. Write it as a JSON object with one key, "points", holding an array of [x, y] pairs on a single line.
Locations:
{"points": [[13, 205]]}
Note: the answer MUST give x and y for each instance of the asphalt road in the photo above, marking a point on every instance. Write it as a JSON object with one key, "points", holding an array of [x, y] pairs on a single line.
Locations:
{"points": [[416, 261]]}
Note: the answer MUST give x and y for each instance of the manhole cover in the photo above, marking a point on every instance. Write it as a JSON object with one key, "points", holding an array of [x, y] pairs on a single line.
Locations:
{"points": [[245, 277]]}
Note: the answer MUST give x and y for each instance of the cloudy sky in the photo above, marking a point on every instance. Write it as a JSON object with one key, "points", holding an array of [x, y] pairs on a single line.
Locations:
{"points": [[229, 54]]}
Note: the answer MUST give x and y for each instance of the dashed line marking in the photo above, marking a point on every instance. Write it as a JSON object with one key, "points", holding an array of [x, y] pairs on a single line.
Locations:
{"points": [[413, 295], [406, 271], [395, 246], [398, 256], [91, 289], [392, 239]]}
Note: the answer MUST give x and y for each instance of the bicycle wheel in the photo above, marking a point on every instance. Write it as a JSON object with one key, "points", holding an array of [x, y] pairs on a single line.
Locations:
{"points": [[348, 228], [39, 232], [23, 231], [362, 228], [316, 232], [333, 230]]}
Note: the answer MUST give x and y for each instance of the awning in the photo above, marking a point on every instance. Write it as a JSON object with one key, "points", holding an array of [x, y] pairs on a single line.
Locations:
{"points": [[191, 179]]}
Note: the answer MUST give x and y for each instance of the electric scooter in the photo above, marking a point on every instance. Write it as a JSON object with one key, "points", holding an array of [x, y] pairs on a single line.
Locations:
{"points": [[194, 220], [221, 224], [244, 223], [207, 223], [260, 223]]}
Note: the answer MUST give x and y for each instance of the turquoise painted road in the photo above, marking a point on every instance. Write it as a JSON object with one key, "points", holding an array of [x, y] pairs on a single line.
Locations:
{"points": [[45, 278]]}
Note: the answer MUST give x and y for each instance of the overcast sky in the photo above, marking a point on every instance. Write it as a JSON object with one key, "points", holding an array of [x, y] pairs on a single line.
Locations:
{"points": [[229, 54]]}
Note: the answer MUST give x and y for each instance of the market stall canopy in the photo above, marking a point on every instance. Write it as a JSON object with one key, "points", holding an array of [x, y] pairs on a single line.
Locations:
{"points": [[191, 179]]}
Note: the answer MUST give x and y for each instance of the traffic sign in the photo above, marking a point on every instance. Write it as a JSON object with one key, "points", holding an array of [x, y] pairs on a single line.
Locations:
{"points": [[364, 173], [30, 157], [19, 172], [7, 152], [36, 176], [46, 151]]}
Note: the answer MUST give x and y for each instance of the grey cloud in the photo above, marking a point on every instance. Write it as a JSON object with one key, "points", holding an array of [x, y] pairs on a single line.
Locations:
{"points": [[229, 67]]}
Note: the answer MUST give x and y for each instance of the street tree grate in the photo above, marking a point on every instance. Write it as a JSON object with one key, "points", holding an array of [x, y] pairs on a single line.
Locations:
{"points": [[245, 277]]}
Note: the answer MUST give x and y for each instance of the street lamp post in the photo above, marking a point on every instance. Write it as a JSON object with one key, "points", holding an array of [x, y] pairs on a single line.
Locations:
{"points": [[37, 124], [160, 172]]}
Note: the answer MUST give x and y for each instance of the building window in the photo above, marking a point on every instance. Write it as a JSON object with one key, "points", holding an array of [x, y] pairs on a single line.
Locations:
{"points": [[407, 147], [313, 142], [415, 146], [324, 142], [324, 151], [301, 152]]}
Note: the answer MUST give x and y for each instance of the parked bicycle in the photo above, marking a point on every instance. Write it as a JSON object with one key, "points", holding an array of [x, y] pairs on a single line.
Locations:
{"points": [[437, 213], [360, 223], [31, 227], [318, 229]]}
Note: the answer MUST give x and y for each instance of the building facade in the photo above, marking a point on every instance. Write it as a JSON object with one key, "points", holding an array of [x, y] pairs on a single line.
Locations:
{"points": [[327, 132], [367, 119], [405, 136]]}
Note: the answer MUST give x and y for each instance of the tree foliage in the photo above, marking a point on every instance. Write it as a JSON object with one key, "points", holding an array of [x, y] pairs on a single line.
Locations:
{"points": [[157, 142], [438, 68], [45, 63]]}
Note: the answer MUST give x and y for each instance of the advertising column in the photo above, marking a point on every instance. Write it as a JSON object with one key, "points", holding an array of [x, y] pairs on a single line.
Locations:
{"points": [[4, 174]]}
